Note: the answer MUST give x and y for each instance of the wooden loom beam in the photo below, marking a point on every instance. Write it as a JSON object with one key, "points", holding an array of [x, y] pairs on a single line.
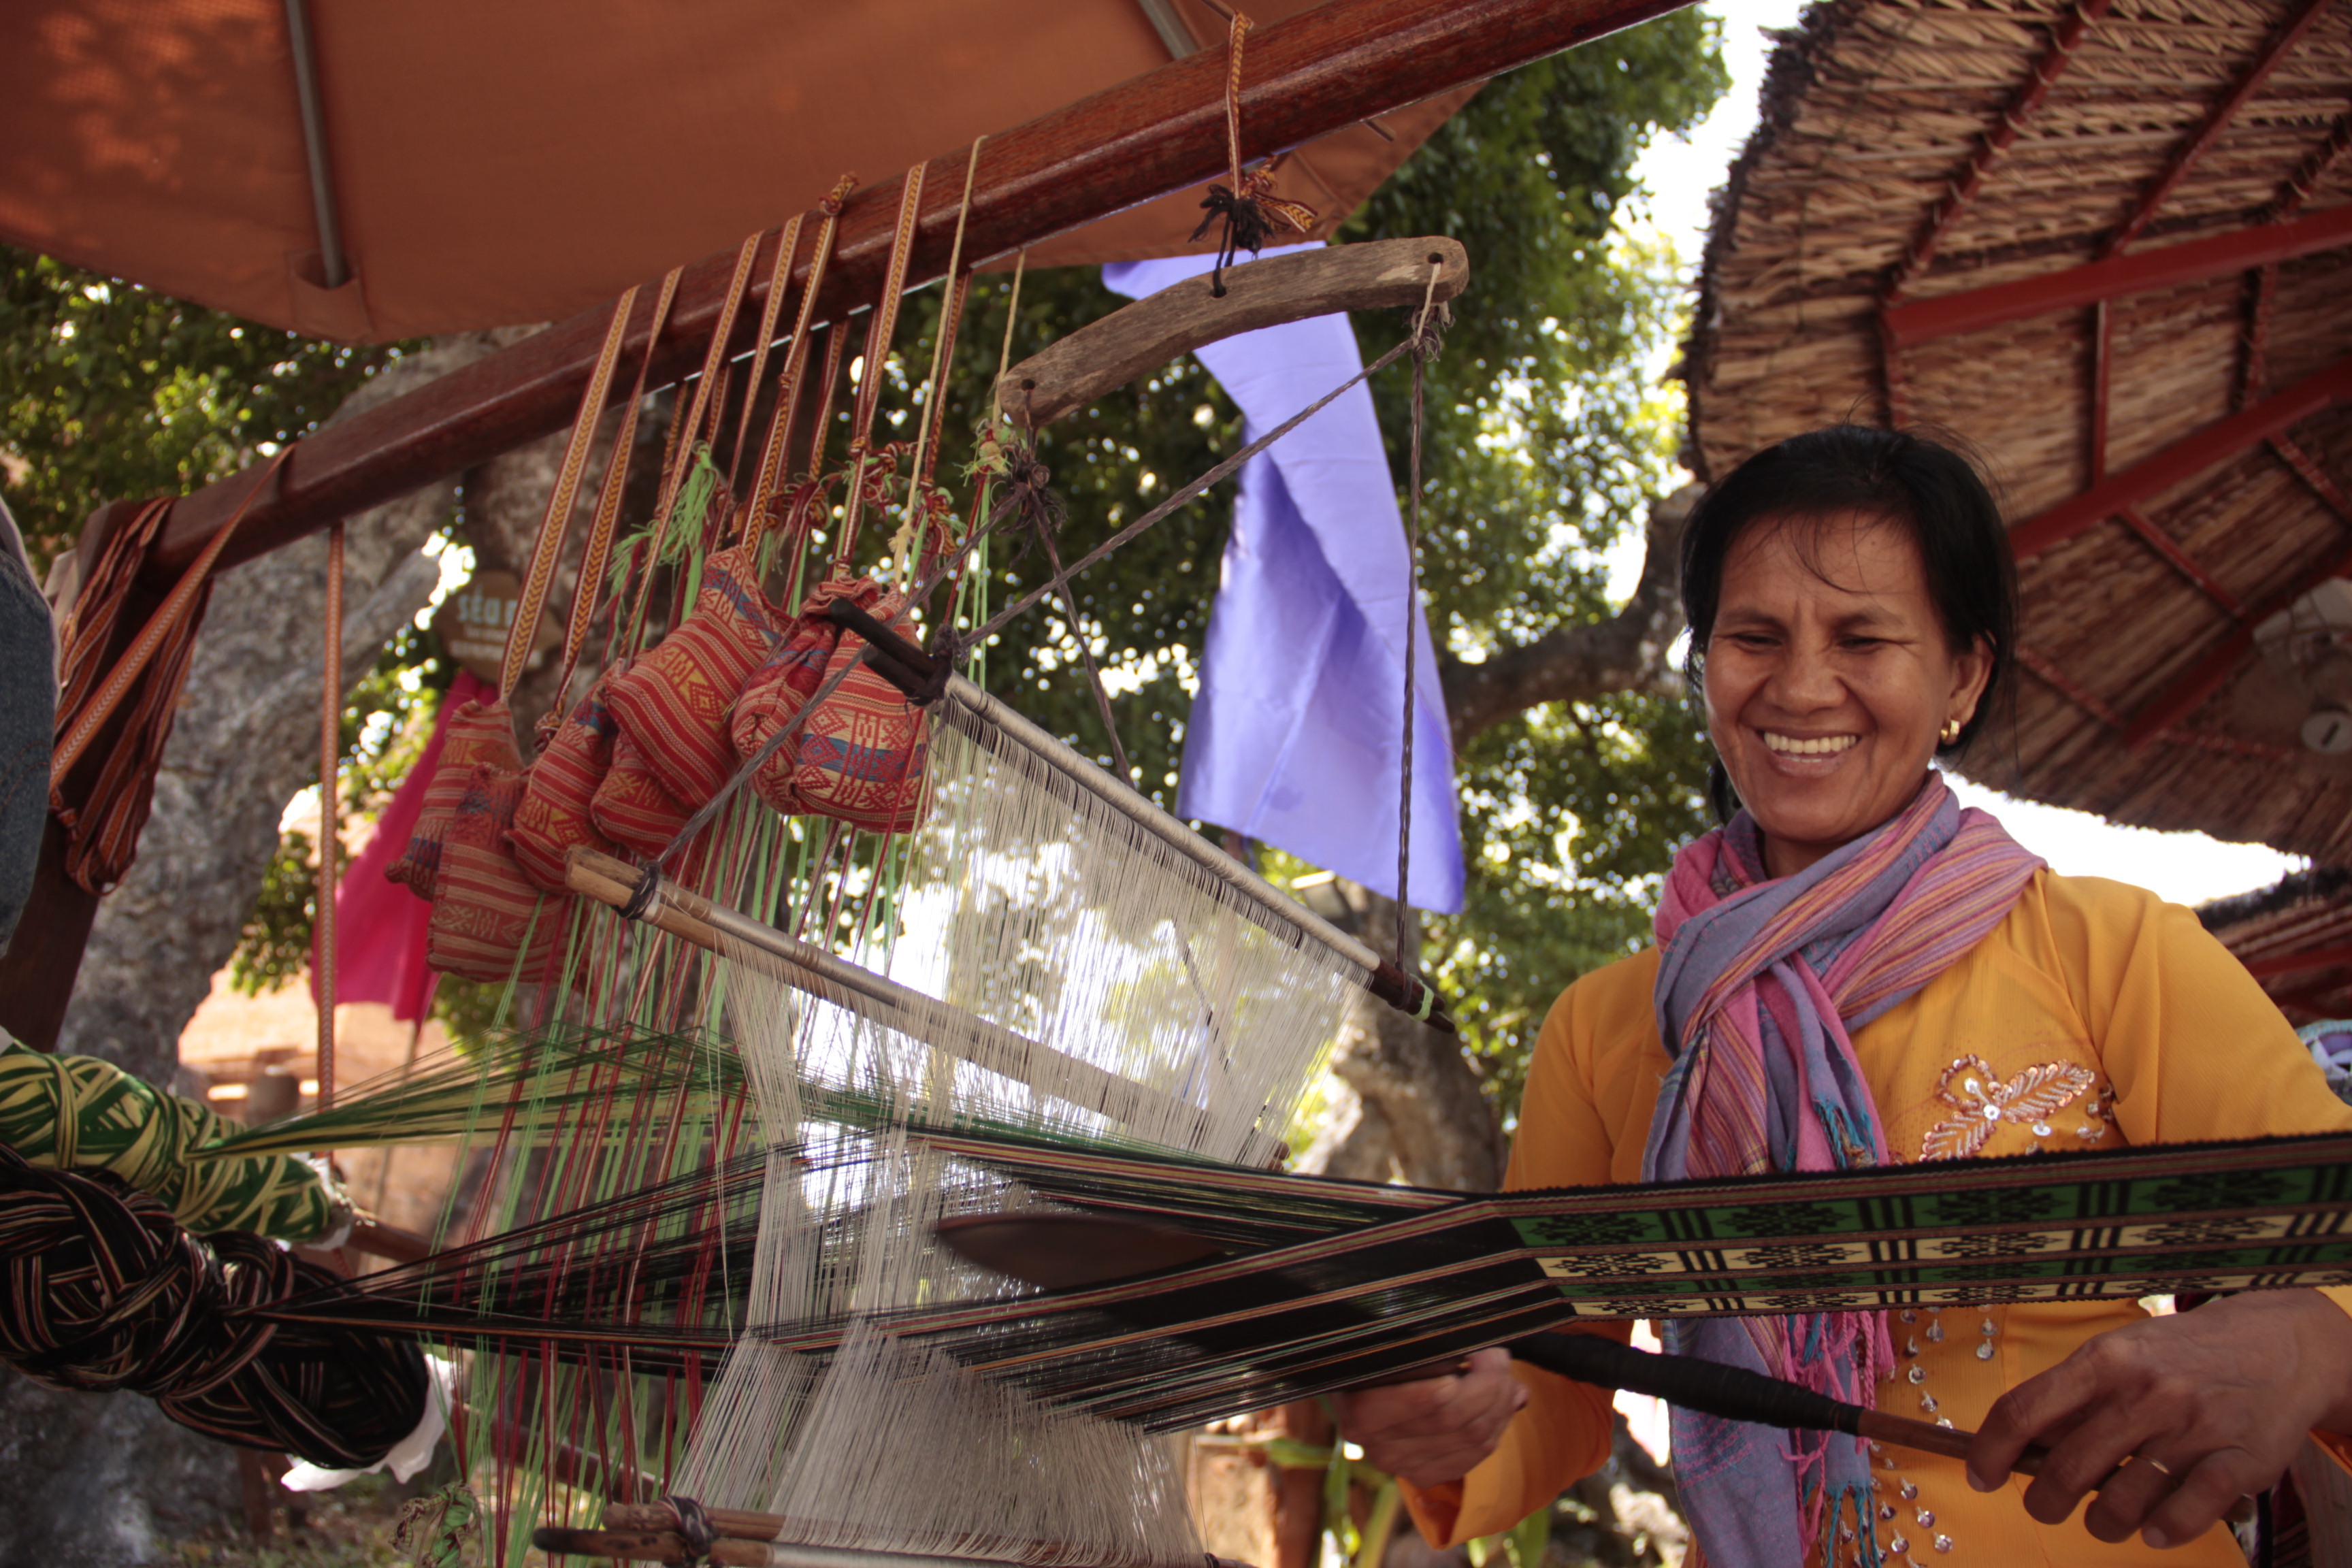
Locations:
{"points": [[1160, 133]]}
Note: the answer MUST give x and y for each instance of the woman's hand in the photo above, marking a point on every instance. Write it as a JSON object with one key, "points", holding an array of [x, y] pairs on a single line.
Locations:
{"points": [[1434, 1430], [2199, 1409]]}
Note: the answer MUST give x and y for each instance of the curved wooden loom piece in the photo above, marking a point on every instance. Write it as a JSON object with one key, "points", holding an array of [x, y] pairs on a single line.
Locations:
{"points": [[1138, 339]]}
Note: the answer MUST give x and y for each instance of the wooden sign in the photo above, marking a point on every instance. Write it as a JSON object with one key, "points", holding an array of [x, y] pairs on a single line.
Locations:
{"points": [[474, 622]]}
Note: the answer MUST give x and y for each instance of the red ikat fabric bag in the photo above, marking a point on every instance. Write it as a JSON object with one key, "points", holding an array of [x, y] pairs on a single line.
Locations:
{"points": [[485, 908], [782, 686], [631, 807], [674, 701], [479, 733], [557, 810], [859, 757]]}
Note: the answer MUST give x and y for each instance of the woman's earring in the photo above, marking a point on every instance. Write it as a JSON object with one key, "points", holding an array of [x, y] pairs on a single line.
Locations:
{"points": [[1952, 730]]}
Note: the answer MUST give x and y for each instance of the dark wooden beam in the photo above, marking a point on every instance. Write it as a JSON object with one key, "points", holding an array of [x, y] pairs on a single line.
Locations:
{"points": [[2183, 460], [1162, 133]]}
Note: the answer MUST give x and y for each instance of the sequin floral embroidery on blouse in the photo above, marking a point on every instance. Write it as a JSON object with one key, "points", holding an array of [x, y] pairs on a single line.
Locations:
{"points": [[1983, 1100]]}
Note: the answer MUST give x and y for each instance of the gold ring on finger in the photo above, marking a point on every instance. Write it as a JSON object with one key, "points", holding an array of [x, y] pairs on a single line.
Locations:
{"points": [[2156, 1465]]}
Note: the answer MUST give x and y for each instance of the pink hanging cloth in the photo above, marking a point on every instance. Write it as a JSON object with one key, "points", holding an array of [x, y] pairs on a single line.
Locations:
{"points": [[383, 923]]}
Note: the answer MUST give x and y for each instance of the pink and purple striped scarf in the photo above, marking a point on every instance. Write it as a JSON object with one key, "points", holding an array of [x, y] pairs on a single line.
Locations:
{"points": [[1762, 981]]}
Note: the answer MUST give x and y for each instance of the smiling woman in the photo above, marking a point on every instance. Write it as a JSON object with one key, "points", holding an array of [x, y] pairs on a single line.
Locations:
{"points": [[1849, 970]]}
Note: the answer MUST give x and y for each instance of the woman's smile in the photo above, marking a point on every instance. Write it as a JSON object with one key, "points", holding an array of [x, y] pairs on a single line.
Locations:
{"points": [[1829, 678]]}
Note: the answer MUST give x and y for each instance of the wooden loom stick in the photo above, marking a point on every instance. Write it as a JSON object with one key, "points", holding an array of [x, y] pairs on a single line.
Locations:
{"points": [[1136, 339], [692, 917], [665, 1543]]}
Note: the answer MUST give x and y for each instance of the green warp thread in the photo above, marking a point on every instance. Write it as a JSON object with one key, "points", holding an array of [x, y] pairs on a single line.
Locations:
{"points": [[100, 1290], [81, 1113]]}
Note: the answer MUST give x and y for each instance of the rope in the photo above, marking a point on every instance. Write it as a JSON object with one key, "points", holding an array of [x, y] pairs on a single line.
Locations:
{"points": [[1424, 348], [593, 559], [330, 750], [101, 1290]]}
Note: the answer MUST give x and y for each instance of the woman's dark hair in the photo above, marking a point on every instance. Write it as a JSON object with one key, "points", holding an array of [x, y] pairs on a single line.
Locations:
{"points": [[1922, 486]]}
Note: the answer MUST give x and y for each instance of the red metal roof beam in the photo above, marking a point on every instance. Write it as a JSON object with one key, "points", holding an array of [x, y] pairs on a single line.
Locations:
{"points": [[2212, 672], [1973, 310], [2217, 121], [2183, 460], [1991, 144]]}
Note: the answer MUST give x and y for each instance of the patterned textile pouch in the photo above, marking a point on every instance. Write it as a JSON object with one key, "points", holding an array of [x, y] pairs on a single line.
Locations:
{"points": [[479, 733], [784, 684], [673, 702], [485, 908], [860, 755], [560, 790], [631, 807]]}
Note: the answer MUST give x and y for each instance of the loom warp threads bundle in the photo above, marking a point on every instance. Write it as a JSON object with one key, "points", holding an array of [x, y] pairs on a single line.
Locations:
{"points": [[103, 1290], [1033, 907]]}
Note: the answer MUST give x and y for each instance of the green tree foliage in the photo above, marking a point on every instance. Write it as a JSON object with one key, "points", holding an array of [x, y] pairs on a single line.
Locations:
{"points": [[109, 391]]}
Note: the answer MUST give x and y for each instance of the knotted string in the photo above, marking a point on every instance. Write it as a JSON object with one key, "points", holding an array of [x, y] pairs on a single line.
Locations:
{"points": [[1250, 209]]}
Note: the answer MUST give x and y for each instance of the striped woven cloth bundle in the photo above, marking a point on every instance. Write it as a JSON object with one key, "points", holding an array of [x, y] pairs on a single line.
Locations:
{"points": [[1331, 1283], [101, 1290]]}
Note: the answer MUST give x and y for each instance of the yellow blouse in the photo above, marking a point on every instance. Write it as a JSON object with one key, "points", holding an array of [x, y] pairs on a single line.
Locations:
{"points": [[2095, 1017]]}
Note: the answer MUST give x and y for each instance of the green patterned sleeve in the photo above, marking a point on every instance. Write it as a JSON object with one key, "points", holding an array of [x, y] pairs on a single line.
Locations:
{"points": [[81, 1113]]}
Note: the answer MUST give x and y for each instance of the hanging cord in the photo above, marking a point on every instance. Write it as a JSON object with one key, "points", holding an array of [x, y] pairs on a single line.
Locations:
{"points": [[593, 560], [1045, 521], [330, 750], [1424, 341], [1249, 209]]}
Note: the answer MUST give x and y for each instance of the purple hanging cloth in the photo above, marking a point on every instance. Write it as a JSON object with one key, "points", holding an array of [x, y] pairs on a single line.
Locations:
{"points": [[1296, 736]]}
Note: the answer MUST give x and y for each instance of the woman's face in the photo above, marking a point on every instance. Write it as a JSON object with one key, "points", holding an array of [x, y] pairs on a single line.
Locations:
{"points": [[1827, 679]]}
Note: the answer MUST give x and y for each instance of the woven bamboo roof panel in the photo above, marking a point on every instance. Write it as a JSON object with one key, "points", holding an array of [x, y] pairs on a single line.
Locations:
{"points": [[2104, 244], [2295, 938]]}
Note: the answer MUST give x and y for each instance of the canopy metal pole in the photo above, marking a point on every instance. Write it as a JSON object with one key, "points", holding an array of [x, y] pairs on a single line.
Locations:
{"points": [[314, 142]]}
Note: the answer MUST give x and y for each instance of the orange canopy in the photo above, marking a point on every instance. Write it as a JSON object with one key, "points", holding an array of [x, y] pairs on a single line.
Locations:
{"points": [[493, 164]]}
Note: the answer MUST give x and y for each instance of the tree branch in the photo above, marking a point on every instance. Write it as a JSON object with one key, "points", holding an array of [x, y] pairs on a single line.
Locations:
{"points": [[1626, 652]]}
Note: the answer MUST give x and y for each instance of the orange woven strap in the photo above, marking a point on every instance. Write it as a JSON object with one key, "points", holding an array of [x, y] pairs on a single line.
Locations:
{"points": [[690, 432], [330, 750], [789, 380], [585, 598], [549, 547], [79, 725], [879, 334], [780, 283]]}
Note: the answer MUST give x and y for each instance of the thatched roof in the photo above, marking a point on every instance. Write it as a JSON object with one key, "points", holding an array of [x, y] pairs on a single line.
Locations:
{"points": [[2297, 939], [1912, 153]]}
